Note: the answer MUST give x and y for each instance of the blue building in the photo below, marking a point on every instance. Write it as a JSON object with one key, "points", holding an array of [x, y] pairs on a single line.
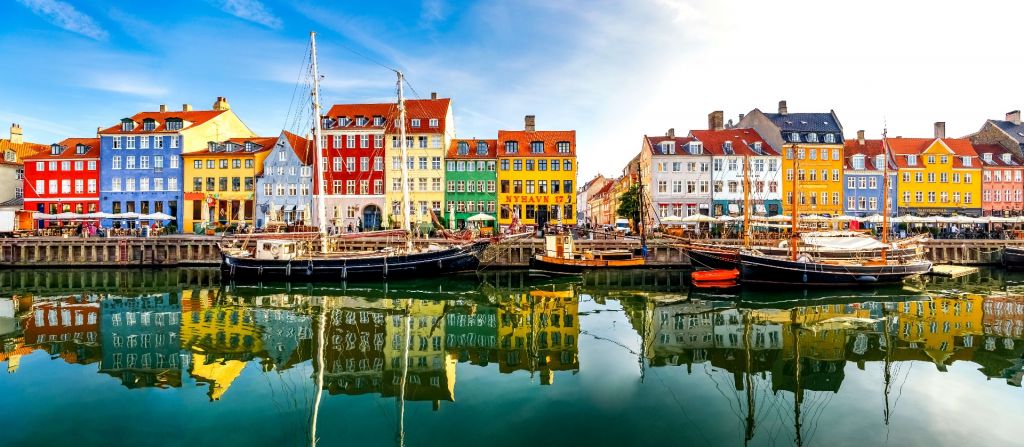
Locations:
{"points": [[139, 338], [283, 192], [140, 158], [863, 170]]}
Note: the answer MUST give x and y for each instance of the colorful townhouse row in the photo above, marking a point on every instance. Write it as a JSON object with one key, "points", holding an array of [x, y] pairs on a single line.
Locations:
{"points": [[805, 158], [207, 168]]}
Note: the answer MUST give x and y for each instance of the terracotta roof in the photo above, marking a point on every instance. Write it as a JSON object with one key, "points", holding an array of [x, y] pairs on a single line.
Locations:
{"points": [[265, 143], [742, 141], [302, 147], [654, 143], [550, 138], [901, 147], [870, 149], [21, 150], [421, 109], [70, 152], [998, 152], [191, 118], [492, 149], [604, 189]]}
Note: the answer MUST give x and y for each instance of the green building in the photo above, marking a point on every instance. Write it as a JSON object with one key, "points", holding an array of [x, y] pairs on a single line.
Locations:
{"points": [[471, 180]]}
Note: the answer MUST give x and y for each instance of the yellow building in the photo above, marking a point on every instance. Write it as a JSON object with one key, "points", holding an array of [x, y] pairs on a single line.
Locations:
{"points": [[220, 182], [937, 323], [429, 127], [431, 371], [811, 145], [937, 175], [538, 332], [536, 175]]}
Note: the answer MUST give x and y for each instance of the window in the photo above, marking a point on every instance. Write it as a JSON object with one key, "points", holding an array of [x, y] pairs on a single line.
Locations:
{"points": [[511, 147], [130, 142], [129, 162], [567, 165], [144, 162], [830, 138], [537, 147], [423, 142], [423, 163], [433, 122], [415, 122], [364, 164], [517, 165], [116, 142], [144, 143]]}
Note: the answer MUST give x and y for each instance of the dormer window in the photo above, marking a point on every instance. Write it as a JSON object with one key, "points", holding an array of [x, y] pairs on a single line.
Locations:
{"points": [[967, 161], [830, 138], [879, 162], [360, 121], [250, 146], [812, 138], [127, 125], [794, 137], [537, 147], [463, 148], [81, 149], [668, 147], [174, 123], [343, 121], [378, 121], [1007, 159], [695, 147], [10, 156], [563, 147], [511, 147], [911, 160], [212, 146], [327, 122], [55, 149], [415, 122], [148, 124], [433, 122], [481, 148], [756, 146], [987, 157], [727, 148], [858, 162]]}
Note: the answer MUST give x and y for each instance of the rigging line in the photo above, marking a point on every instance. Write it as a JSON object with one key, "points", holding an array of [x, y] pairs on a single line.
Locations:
{"points": [[682, 408], [295, 88]]}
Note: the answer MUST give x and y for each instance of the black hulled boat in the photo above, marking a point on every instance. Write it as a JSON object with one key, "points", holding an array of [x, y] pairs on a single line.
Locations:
{"points": [[756, 268], [1013, 257]]}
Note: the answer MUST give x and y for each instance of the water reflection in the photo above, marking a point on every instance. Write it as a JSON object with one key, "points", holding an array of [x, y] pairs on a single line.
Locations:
{"points": [[777, 360]]}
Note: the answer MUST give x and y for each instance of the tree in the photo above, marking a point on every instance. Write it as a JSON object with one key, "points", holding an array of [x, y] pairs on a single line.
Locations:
{"points": [[629, 205]]}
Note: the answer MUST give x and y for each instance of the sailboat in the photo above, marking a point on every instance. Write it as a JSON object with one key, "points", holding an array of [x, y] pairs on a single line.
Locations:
{"points": [[295, 259], [802, 269]]}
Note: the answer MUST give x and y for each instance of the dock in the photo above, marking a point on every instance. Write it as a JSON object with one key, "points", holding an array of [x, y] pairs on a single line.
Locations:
{"points": [[953, 271]]}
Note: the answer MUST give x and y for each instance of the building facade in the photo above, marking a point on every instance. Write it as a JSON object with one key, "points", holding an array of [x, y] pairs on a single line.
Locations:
{"points": [[353, 139], [14, 150], [864, 173], [1008, 133], [937, 175], [584, 213], [283, 191], [599, 205], [536, 175], [733, 152], [811, 145], [678, 173], [64, 178], [1002, 185], [429, 129], [140, 337], [220, 182], [471, 181], [140, 158]]}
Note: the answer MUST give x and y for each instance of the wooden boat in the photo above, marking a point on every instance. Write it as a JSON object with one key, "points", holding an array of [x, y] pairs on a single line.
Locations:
{"points": [[1013, 257], [715, 275], [560, 256], [718, 285]]}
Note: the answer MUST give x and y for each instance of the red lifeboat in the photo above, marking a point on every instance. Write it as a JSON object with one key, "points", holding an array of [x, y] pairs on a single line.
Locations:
{"points": [[715, 276]]}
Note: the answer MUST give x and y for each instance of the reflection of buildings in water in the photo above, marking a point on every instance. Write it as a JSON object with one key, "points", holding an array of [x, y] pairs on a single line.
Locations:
{"points": [[139, 339], [286, 335], [471, 333], [431, 370], [941, 326], [11, 312], [354, 359], [13, 349], [537, 331], [67, 327], [1001, 354]]}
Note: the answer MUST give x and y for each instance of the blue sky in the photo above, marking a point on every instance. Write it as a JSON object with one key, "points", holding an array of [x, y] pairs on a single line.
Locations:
{"points": [[612, 70]]}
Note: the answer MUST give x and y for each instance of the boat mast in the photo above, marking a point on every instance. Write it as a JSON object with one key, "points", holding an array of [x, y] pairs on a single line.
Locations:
{"points": [[885, 194], [746, 201], [406, 214], [794, 238], [640, 204], [321, 212]]}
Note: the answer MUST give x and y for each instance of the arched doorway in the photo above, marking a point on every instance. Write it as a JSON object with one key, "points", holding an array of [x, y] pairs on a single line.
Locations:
{"points": [[371, 217]]}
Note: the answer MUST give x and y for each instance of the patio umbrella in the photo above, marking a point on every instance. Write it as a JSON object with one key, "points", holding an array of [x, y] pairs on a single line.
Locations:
{"points": [[698, 218], [726, 218], [874, 218], [482, 217], [127, 216], [671, 219], [813, 218], [780, 218], [844, 218], [42, 216], [156, 216]]}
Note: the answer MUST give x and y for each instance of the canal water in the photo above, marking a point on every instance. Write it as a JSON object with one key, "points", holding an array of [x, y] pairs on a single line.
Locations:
{"points": [[173, 357]]}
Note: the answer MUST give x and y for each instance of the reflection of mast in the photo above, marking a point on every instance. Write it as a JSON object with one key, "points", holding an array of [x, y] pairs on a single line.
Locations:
{"points": [[320, 373], [888, 370], [400, 402], [797, 394], [749, 380]]}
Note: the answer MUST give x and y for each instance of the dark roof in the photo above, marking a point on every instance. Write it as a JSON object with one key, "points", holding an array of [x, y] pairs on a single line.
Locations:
{"points": [[655, 144], [15, 202], [1015, 130], [997, 152], [492, 149], [805, 122]]}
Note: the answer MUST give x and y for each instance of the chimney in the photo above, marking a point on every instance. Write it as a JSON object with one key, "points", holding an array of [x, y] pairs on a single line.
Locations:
{"points": [[98, 129], [221, 104], [531, 123], [940, 129], [741, 118], [1013, 117], [16, 135], [433, 95], [860, 137], [716, 120], [671, 132], [782, 107], [163, 107], [186, 107]]}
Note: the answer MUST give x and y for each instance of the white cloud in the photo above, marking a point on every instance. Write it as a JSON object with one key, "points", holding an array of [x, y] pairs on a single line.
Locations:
{"points": [[65, 16], [251, 10], [432, 11], [125, 84]]}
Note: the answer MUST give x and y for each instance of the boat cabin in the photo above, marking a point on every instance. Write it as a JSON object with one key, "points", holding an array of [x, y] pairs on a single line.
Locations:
{"points": [[560, 246], [284, 250]]}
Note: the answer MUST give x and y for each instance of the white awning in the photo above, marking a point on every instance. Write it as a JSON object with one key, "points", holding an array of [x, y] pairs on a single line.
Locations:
{"points": [[734, 208]]}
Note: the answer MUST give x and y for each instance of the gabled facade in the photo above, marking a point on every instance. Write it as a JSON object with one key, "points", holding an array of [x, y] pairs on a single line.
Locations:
{"points": [[284, 190], [585, 214], [14, 150], [1008, 133], [937, 175], [429, 129], [536, 175], [471, 181], [678, 173], [864, 173], [811, 145], [599, 205], [140, 158], [64, 178], [733, 151], [353, 140], [220, 182], [1002, 185]]}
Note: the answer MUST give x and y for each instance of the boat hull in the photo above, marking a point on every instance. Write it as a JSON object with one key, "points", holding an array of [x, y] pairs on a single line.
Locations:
{"points": [[759, 269], [714, 258], [1013, 257], [357, 268]]}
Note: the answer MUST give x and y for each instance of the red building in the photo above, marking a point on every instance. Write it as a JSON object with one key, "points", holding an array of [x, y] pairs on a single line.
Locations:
{"points": [[65, 178], [1002, 187], [353, 142]]}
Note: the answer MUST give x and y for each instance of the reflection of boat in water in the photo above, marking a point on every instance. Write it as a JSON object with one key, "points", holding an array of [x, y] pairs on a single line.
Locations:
{"points": [[560, 257]]}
